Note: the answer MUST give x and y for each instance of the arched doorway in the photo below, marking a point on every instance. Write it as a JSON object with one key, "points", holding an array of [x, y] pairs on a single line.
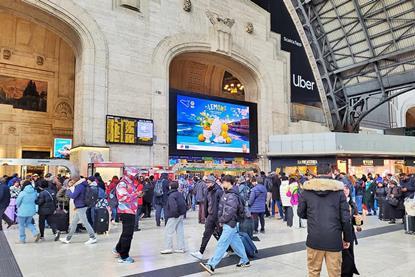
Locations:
{"points": [[214, 110], [410, 118]]}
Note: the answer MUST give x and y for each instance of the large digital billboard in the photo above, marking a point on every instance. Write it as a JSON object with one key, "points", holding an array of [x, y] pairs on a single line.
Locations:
{"points": [[212, 126]]}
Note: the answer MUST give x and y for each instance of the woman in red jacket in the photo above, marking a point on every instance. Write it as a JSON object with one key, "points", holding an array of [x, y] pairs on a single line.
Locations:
{"points": [[140, 189]]}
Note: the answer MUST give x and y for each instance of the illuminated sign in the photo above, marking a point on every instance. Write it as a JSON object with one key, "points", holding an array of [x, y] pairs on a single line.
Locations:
{"points": [[307, 162], [126, 130], [62, 147]]}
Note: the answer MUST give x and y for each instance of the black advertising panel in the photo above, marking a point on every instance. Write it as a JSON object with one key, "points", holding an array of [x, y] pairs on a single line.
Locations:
{"points": [[127, 130], [303, 85], [367, 162], [202, 125]]}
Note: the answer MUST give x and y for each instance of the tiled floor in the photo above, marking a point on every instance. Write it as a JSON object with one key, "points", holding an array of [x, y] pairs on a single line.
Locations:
{"points": [[390, 255]]}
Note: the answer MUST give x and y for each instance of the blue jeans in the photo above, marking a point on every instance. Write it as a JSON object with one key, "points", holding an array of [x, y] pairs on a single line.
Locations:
{"points": [[159, 209], [26, 222], [280, 210], [359, 202], [114, 215], [193, 203], [228, 237]]}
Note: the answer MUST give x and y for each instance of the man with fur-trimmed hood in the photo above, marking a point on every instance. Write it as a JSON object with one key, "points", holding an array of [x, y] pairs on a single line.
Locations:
{"points": [[325, 207]]}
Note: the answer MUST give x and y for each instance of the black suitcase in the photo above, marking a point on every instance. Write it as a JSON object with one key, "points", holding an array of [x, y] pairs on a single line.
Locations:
{"points": [[247, 226], [60, 220], [101, 220], [409, 224]]}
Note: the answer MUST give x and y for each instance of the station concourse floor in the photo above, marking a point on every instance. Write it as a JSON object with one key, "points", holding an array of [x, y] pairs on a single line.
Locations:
{"points": [[383, 250]]}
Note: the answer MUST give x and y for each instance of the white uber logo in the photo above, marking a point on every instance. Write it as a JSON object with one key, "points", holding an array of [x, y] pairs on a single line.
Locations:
{"points": [[301, 83]]}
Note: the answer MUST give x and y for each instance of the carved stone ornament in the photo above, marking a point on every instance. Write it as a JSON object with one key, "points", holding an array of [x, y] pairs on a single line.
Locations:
{"points": [[63, 110], [249, 28], [187, 5], [7, 54], [221, 36], [12, 130], [40, 60]]}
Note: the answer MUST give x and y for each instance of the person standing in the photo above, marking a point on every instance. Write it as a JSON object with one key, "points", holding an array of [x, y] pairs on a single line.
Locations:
{"points": [[276, 197], [286, 201], [174, 211], [369, 196], [293, 194], [325, 207], [214, 194], [380, 197], [201, 190], [26, 209], [257, 202], [76, 191], [148, 196], [230, 210], [4, 203], [161, 190], [138, 183], [47, 206]]}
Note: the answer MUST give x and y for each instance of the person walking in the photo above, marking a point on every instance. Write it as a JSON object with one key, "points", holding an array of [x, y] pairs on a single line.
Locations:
{"points": [[148, 196], [292, 192], [127, 196], [214, 194], [161, 190], [76, 191], [138, 183], [230, 210], [257, 202], [174, 212], [47, 206], [26, 209], [4, 203], [325, 207], [286, 201]]}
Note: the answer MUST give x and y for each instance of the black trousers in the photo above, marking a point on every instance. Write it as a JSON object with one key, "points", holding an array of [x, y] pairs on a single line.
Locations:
{"points": [[42, 219], [258, 217], [124, 243], [4, 217], [289, 216], [210, 228], [146, 208]]}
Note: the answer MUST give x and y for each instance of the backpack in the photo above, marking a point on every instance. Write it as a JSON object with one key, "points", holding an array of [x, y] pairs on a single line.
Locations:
{"points": [[268, 184], [244, 192], [112, 198], [91, 196], [158, 189], [241, 213]]}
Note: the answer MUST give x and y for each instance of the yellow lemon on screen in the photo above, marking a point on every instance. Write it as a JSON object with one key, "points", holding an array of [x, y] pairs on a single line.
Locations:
{"points": [[201, 138], [228, 140]]}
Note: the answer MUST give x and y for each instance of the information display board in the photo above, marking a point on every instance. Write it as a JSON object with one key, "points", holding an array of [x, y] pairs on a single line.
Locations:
{"points": [[127, 130], [61, 148]]}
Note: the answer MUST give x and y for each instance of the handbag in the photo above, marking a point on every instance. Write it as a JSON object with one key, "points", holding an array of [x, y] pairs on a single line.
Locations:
{"points": [[393, 201]]}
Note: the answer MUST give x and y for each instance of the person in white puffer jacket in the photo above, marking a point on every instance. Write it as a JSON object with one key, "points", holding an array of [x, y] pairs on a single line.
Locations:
{"points": [[286, 201]]}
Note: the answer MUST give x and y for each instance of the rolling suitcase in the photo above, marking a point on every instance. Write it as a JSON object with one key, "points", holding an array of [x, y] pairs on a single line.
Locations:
{"points": [[101, 220], [409, 224], [250, 247], [60, 219]]}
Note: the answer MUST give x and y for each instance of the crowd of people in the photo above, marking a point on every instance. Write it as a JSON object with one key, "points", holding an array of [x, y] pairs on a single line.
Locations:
{"points": [[331, 206]]}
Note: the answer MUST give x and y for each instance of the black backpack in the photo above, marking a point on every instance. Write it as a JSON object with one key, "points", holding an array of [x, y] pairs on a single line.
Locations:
{"points": [[112, 198], [158, 189], [91, 196], [268, 184]]}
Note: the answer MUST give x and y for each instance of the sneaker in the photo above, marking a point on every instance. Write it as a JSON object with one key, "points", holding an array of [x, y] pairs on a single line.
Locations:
{"points": [[65, 240], [57, 236], [181, 251], [115, 253], [262, 231], [91, 241], [167, 251], [37, 237], [137, 229], [255, 232], [247, 264], [128, 260], [197, 255], [207, 268]]}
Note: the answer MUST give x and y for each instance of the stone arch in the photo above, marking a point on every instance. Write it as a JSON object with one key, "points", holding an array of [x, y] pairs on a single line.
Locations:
{"points": [[71, 22], [172, 46]]}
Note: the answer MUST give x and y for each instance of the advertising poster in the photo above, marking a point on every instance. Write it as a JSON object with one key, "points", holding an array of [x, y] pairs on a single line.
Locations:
{"points": [[209, 125], [62, 147], [145, 131]]}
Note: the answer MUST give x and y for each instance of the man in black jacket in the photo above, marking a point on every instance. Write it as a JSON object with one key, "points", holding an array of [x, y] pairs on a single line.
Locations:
{"points": [[407, 185], [4, 203], [230, 210], [214, 194], [47, 206], [324, 205]]}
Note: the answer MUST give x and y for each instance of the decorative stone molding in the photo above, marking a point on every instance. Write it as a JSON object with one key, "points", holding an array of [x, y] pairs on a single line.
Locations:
{"points": [[133, 5], [12, 130], [63, 110], [222, 37], [249, 28], [7, 53], [187, 5], [40, 60]]}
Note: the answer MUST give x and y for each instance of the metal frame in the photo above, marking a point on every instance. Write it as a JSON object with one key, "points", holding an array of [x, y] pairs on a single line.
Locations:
{"points": [[360, 46]]}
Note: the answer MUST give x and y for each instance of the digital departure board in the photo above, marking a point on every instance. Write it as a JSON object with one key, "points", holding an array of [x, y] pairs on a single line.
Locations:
{"points": [[127, 130]]}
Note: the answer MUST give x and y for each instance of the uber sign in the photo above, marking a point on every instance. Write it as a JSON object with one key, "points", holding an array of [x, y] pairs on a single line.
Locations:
{"points": [[303, 85]]}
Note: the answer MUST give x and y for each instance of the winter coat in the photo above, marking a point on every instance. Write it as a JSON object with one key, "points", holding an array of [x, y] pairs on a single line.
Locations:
{"points": [[77, 193], [325, 207], [127, 197], [62, 198], [370, 188], [4, 196], [380, 192], [230, 208], [293, 193], [175, 205], [201, 191], [148, 192], [46, 202], [286, 200], [410, 186], [214, 194], [257, 199], [25, 202], [140, 188], [276, 184], [162, 200], [360, 190]]}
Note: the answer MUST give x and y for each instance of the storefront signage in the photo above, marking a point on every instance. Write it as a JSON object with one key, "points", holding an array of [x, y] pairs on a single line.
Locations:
{"points": [[410, 162], [307, 162], [126, 130], [367, 162]]}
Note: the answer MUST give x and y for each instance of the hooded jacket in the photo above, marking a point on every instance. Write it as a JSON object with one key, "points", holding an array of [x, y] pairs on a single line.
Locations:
{"points": [[46, 202], [230, 208], [175, 205], [214, 194], [325, 207], [4, 196], [25, 202], [77, 193], [257, 199]]}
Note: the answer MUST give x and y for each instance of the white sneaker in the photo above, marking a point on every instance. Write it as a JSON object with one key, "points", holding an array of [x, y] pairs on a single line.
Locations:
{"points": [[179, 251], [167, 251], [197, 255], [65, 240], [91, 241]]}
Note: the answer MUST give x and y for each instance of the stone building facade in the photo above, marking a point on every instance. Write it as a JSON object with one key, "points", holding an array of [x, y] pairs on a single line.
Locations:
{"points": [[123, 50]]}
